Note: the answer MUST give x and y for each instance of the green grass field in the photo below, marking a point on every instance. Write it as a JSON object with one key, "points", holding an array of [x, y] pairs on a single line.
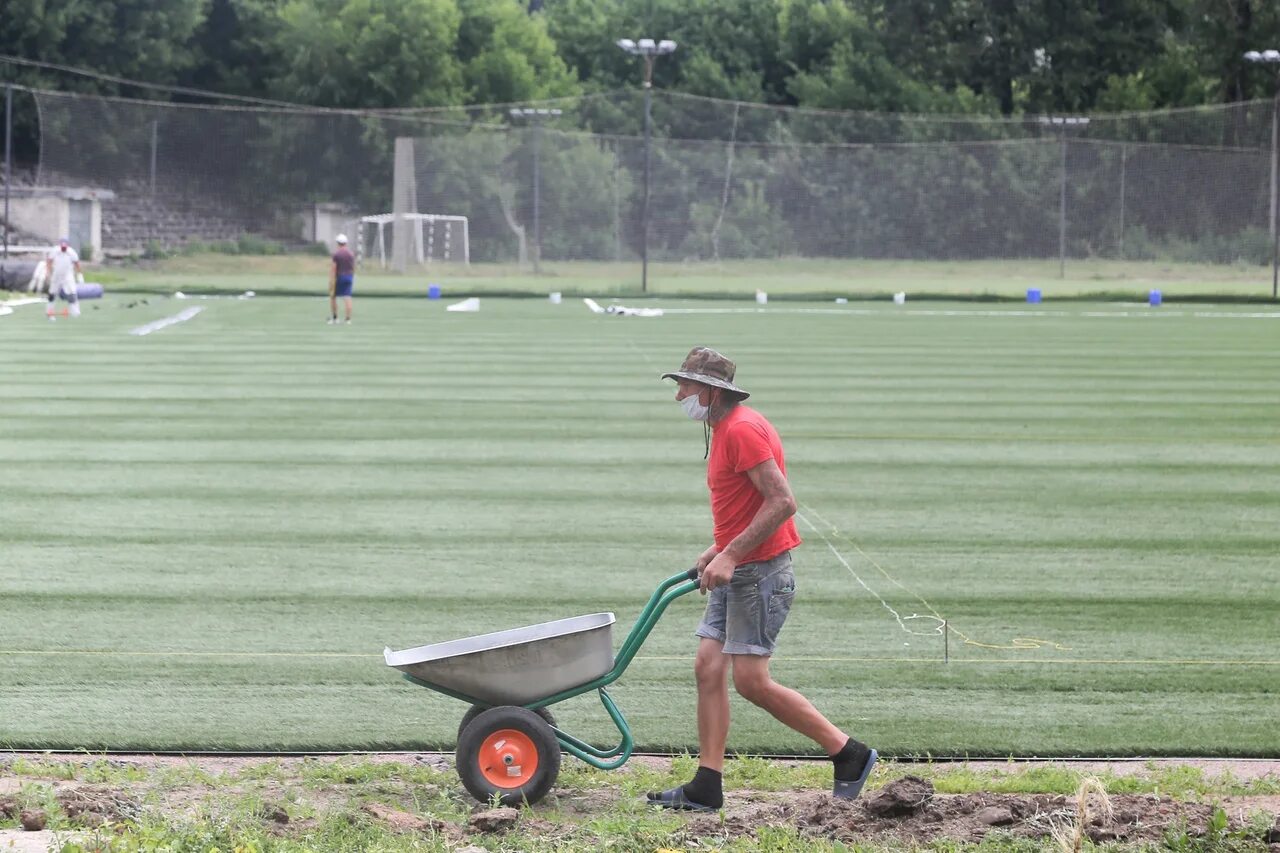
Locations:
{"points": [[786, 278], [209, 533]]}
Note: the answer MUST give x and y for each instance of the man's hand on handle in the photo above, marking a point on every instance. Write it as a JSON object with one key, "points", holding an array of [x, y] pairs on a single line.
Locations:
{"points": [[718, 572], [705, 557]]}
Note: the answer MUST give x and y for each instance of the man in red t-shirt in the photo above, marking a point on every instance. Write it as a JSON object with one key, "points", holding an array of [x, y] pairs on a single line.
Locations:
{"points": [[747, 573]]}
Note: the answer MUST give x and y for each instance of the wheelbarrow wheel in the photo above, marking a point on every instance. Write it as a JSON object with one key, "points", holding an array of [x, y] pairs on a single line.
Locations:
{"points": [[476, 710], [509, 754]]}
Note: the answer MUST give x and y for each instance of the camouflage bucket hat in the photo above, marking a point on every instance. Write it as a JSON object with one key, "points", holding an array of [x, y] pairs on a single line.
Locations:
{"points": [[710, 368]]}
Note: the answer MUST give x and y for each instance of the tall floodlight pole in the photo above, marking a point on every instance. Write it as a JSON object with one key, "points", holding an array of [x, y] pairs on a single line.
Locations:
{"points": [[648, 50], [1062, 123], [1272, 57], [8, 160], [536, 116]]}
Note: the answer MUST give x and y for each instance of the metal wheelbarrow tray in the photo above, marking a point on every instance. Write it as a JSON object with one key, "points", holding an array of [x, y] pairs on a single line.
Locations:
{"points": [[517, 666], [508, 743]]}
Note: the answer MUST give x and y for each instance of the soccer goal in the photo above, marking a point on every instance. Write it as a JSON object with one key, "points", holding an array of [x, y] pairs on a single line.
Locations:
{"points": [[435, 237]]}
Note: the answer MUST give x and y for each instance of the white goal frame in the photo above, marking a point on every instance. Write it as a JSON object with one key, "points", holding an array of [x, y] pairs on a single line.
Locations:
{"points": [[424, 235]]}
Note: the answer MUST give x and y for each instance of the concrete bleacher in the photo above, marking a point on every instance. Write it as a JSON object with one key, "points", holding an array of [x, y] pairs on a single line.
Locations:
{"points": [[136, 219]]}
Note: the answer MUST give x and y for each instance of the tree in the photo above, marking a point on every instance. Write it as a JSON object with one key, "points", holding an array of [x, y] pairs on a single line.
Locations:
{"points": [[1220, 31], [235, 47], [142, 39], [367, 53], [727, 48], [139, 39], [507, 55], [837, 53]]}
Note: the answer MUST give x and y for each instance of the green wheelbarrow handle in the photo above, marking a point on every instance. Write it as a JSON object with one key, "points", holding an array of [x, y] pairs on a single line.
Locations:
{"points": [[667, 592]]}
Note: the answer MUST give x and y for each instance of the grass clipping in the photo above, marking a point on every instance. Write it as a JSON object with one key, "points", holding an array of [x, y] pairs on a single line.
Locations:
{"points": [[1071, 838]]}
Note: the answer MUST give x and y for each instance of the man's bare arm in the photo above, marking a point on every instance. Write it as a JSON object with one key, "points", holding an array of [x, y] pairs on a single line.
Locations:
{"points": [[779, 505]]}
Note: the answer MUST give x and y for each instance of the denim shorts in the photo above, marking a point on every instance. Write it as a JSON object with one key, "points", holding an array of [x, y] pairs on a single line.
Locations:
{"points": [[747, 613], [343, 284]]}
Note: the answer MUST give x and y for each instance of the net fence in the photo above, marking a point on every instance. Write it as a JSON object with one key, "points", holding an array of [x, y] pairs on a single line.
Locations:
{"points": [[577, 180]]}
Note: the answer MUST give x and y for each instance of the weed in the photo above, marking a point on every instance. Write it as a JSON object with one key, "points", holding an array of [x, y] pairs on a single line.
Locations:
{"points": [[1072, 840]]}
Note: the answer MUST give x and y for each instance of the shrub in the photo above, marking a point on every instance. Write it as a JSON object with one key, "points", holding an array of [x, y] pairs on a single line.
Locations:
{"points": [[1250, 246], [248, 244]]}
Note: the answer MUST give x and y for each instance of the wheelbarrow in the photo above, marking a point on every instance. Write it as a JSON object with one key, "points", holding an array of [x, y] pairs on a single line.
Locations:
{"points": [[508, 742]]}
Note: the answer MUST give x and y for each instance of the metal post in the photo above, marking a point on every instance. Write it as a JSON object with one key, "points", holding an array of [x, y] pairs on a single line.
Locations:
{"points": [[1062, 210], [644, 203], [155, 140], [649, 50], [946, 643], [1275, 167], [617, 208], [1124, 169], [537, 195], [8, 160]]}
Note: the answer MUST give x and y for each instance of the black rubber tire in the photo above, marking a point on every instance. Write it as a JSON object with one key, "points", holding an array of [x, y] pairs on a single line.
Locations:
{"points": [[526, 722], [475, 711]]}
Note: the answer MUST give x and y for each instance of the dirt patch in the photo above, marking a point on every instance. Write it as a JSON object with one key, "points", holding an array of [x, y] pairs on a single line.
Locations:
{"points": [[906, 811]]}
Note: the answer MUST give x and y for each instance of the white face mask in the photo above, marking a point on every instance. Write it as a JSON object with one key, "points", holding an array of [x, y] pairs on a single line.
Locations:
{"points": [[694, 409]]}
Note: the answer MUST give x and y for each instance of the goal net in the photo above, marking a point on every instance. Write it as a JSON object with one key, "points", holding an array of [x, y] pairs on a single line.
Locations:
{"points": [[431, 238]]}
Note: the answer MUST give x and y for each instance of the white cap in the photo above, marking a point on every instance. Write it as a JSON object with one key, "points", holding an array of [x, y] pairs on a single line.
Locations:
{"points": [[341, 238]]}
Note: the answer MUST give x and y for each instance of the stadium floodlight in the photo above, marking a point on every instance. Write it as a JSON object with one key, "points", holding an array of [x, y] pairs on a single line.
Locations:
{"points": [[536, 116], [533, 112], [649, 50], [1065, 121], [1271, 56], [647, 47]]}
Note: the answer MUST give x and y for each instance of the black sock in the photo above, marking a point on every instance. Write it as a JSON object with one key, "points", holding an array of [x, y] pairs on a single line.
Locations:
{"points": [[705, 789], [851, 760]]}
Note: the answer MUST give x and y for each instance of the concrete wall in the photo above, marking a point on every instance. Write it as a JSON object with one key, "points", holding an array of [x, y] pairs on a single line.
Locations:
{"points": [[324, 221], [46, 217], [46, 213]]}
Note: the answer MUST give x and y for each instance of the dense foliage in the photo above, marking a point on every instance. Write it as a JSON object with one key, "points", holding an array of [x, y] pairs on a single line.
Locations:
{"points": [[977, 56]]}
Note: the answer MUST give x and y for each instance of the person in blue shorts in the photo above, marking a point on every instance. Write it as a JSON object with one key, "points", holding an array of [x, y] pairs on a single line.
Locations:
{"points": [[342, 275]]}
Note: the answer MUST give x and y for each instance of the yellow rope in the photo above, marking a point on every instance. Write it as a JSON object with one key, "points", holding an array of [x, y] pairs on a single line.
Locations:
{"points": [[1017, 644]]}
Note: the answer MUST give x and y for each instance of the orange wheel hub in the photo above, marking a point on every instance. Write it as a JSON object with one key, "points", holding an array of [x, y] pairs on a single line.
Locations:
{"points": [[508, 758]]}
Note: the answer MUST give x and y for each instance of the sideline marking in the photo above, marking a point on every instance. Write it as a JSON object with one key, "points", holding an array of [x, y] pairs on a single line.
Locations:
{"points": [[7, 306], [156, 325], [958, 312]]}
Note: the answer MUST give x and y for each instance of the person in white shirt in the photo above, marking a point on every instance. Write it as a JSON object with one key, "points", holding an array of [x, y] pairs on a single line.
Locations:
{"points": [[63, 271]]}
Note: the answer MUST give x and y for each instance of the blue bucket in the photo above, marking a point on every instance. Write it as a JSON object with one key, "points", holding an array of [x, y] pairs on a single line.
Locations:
{"points": [[1156, 298], [433, 291], [1033, 294]]}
